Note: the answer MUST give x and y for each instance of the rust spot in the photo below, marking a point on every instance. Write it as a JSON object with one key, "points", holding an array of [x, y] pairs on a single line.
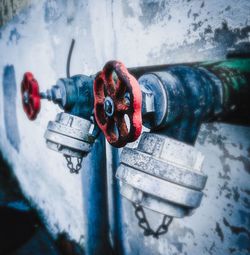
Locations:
{"points": [[235, 229]]}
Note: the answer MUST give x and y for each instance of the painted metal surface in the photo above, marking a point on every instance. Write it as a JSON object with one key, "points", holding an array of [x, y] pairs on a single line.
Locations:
{"points": [[114, 100], [74, 95], [96, 201], [186, 95], [116, 223], [9, 9], [30, 96]]}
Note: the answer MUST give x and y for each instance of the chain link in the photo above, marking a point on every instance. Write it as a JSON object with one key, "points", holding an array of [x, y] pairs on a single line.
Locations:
{"points": [[70, 165], [144, 224]]}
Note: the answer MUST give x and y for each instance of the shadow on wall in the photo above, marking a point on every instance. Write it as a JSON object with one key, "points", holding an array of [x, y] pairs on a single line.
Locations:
{"points": [[10, 116], [22, 231]]}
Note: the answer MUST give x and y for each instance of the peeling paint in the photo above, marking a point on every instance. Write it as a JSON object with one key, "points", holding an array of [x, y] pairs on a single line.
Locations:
{"points": [[138, 33], [219, 231]]}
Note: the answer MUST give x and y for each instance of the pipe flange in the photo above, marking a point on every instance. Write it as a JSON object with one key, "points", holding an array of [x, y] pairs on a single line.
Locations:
{"points": [[70, 135], [163, 175]]}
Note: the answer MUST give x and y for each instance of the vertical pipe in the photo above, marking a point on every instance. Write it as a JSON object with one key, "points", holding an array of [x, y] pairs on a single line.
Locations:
{"points": [[115, 201], [95, 200], [117, 206]]}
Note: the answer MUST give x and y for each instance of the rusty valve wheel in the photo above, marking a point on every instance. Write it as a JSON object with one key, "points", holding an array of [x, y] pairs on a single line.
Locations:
{"points": [[30, 96], [117, 103]]}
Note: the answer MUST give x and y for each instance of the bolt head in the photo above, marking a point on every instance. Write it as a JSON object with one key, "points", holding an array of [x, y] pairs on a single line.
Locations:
{"points": [[26, 97], [109, 106]]}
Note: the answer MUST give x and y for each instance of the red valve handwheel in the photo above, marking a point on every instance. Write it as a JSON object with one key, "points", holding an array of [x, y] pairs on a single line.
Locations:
{"points": [[30, 96], [117, 94]]}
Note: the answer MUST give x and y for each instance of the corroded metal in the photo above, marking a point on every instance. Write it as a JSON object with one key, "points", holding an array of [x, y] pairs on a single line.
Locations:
{"points": [[95, 199], [176, 173], [197, 92], [178, 98], [114, 100], [234, 75], [184, 97]]}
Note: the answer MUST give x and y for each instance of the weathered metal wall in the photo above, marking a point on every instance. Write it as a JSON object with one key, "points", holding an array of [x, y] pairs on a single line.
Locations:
{"points": [[138, 33]]}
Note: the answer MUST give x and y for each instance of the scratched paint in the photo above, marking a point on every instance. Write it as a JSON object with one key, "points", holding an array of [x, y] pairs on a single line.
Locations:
{"points": [[137, 33]]}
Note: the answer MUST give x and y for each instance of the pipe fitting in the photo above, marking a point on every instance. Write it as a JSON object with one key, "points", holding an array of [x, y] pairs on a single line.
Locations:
{"points": [[163, 175], [70, 135]]}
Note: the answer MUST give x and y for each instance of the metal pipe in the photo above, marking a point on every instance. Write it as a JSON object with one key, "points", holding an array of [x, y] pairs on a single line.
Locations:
{"points": [[234, 75], [179, 98], [94, 180], [115, 202]]}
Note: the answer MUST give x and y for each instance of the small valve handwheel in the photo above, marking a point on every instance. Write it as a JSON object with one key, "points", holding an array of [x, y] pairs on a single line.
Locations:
{"points": [[30, 96], [118, 100]]}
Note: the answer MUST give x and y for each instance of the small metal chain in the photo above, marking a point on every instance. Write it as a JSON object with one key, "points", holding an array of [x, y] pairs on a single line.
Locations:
{"points": [[144, 224], [70, 165]]}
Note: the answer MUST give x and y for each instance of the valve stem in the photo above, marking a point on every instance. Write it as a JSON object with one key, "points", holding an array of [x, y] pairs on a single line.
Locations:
{"points": [[43, 95], [54, 94]]}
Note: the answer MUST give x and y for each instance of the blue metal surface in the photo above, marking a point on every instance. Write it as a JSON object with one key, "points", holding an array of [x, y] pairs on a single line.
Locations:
{"points": [[80, 99], [94, 181], [192, 97], [117, 233]]}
